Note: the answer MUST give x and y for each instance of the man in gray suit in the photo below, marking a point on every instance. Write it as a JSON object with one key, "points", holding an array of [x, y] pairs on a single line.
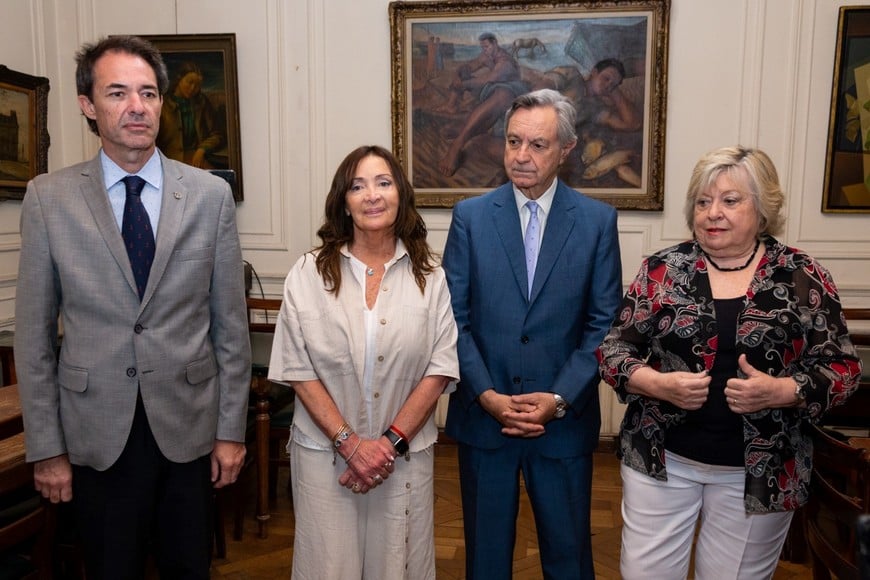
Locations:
{"points": [[144, 410]]}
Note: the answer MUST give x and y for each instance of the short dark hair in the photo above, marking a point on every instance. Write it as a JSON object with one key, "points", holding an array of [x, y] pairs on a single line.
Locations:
{"points": [[89, 54], [611, 63], [488, 36]]}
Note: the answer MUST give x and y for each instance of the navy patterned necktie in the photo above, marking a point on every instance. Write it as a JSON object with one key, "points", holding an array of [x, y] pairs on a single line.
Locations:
{"points": [[137, 233]]}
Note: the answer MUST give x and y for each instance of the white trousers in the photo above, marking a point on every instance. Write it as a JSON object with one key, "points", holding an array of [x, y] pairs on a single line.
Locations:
{"points": [[660, 517], [386, 534]]}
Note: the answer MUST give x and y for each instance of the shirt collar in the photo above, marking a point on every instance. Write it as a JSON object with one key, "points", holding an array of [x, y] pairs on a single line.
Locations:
{"points": [[545, 202], [400, 252], [151, 172]]}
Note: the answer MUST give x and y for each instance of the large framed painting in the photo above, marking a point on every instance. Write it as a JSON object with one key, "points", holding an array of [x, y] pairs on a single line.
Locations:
{"points": [[847, 163], [23, 131], [457, 66], [199, 123]]}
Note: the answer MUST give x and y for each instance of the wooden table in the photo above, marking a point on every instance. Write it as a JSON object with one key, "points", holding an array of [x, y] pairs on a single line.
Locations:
{"points": [[10, 412], [860, 442], [11, 451]]}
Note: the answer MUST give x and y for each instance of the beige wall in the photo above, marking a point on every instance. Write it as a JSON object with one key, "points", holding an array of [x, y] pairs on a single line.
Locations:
{"points": [[314, 79]]}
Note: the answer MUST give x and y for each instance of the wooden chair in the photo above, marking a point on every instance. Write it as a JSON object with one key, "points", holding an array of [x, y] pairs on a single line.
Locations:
{"points": [[271, 412], [840, 494], [856, 412], [26, 522]]}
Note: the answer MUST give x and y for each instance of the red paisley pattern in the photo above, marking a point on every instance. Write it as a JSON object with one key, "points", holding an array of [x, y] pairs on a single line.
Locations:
{"points": [[791, 325]]}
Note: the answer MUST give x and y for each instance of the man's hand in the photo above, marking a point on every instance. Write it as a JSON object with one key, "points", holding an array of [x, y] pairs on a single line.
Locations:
{"points": [[520, 415], [227, 458], [53, 478]]}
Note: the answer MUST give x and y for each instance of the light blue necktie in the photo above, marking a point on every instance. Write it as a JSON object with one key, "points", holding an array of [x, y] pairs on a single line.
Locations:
{"points": [[533, 230]]}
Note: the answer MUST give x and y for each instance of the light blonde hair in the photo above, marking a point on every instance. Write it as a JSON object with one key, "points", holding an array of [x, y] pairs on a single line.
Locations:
{"points": [[744, 165]]}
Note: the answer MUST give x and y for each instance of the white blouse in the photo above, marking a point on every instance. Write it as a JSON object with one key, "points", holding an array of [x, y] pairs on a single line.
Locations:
{"points": [[323, 336]]}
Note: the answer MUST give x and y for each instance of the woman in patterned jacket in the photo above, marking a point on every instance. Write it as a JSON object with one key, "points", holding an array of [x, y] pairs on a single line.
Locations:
{"points": [[724, 346]]}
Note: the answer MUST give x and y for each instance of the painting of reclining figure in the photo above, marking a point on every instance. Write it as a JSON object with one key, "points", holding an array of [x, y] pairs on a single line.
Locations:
{"points": [[463, 73]]}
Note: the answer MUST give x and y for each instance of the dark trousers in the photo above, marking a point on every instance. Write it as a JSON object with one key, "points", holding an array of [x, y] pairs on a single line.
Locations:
{"points": [[144, 503], [560, 493]]}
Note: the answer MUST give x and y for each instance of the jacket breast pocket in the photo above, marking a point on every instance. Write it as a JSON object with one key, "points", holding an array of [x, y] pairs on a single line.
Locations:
{"points": [[187, 254]]}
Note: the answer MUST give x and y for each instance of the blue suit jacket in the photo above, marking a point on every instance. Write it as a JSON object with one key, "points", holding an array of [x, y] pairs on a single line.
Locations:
{"points": [[518, 344]]}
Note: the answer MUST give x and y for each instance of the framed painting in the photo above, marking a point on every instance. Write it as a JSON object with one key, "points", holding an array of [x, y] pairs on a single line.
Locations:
{"points": [[458, 65], [199, 122], [847, 162], [23, 131]]}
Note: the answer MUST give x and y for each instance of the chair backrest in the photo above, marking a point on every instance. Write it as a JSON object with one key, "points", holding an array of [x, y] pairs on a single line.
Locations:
{"points": [[840, 494], [859, 332], [24, 517], [855, 412], [262, 314]]}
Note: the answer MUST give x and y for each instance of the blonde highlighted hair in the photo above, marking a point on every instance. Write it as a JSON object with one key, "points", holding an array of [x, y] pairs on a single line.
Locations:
{"points": [[744, 165]]}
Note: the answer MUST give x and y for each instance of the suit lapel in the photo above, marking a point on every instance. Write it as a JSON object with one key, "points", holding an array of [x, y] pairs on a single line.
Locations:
{"points": [[506, 219], [172, 207], [560, 222], [93, 191]]}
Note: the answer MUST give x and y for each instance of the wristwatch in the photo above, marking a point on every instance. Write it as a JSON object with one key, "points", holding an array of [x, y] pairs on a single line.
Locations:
{"points": [[561, 406], [399, 443]]}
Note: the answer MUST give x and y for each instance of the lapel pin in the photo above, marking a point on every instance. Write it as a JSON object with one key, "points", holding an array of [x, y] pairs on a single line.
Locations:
{"points": [[177, 195]]}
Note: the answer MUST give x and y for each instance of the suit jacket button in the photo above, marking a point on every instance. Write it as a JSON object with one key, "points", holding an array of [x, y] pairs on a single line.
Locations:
{"points": [[517, 380], [138, 329], [131, 372], [524, 340]]}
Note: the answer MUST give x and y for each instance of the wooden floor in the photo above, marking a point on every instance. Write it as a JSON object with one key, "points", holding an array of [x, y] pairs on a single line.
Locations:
{"points": [[255, 558]]}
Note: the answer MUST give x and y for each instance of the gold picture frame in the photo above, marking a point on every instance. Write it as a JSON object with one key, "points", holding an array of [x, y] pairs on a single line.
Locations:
{"points": [[847, 160], [447, 113], [24, 136], [211, 57]]}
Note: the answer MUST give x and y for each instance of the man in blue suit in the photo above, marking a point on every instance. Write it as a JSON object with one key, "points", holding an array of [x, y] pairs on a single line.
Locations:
{"points": [[534, 290]]}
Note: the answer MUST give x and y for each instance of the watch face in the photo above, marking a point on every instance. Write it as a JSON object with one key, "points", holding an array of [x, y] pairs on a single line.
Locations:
{"points": [[561, 406]]}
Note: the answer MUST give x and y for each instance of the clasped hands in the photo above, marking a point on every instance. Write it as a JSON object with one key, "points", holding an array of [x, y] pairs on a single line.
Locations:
{"points": [[520, 415], [755, 392], [369, 465]]}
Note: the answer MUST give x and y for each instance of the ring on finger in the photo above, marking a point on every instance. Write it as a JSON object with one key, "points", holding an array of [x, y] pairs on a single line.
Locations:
{"points": [[378, 479], [388, 464], [355, 488]]}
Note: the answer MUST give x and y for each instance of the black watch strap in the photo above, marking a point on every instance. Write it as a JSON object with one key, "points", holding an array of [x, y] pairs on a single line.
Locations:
{"points": [[399, 443]]}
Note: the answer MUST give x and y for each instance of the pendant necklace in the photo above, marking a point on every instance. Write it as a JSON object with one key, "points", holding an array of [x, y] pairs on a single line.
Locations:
{"points": [[738, 268], [370, 271]]}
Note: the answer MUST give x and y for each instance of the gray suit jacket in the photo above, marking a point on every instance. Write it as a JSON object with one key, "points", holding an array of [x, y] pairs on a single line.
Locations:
{"points": [[185, 347]]}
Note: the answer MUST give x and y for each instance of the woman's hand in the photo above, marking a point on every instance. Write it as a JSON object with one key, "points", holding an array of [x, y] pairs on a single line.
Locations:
{"points": [[758, 390], [370, 464], [685, 390]]}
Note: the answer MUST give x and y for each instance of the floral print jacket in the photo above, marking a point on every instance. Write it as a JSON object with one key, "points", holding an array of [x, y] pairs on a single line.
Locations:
{"points": [[791, 324]]}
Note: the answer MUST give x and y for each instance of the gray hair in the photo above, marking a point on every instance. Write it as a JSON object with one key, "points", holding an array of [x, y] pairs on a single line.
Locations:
{"points": [[565, 111], [745, 165]]}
